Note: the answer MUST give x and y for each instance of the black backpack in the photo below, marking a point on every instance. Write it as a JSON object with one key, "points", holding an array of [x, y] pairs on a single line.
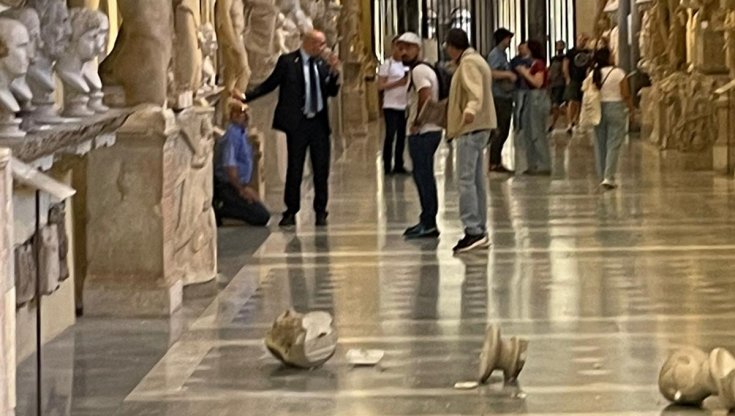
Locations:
{"points": [[443, 76]]}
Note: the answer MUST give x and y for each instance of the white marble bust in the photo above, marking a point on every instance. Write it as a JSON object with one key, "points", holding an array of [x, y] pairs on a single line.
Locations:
{"points": [[29, 18], [91, 75], [83, 48], [55, 32], [14, 63]]}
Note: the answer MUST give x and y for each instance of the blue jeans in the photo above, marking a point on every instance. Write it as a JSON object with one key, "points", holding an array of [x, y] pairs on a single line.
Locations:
{"points": [[472, 193], [421, 148], [609, 135], [534, 114]]}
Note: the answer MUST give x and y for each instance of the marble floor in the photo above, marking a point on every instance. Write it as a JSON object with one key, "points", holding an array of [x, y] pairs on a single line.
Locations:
{"points": [[602, 284]]}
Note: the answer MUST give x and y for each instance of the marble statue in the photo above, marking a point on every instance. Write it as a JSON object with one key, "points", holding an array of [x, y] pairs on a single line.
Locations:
{"points": [[137, 67], [83, 48], [14, 62], [676, 47], [729, 26], [90, 70], [690, 111], [508, 355], [55, 35], [230, 26], [208, 45], [187, 53], [689, 376], [29, 18], [259, 37], [287, 35], [293, 10], [304, 341]]}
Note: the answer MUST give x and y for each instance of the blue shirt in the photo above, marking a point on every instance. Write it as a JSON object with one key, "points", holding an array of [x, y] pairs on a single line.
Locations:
{"points": [[234, 150], [307, 78], [498, 61]]}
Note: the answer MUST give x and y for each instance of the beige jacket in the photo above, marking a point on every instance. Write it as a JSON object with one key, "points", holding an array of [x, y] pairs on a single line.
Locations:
{"points": [[471, 92]]}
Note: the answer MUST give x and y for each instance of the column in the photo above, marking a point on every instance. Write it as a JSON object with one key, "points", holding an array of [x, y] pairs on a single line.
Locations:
{"points": [[624, 47], [7, 290], [537, 26]]}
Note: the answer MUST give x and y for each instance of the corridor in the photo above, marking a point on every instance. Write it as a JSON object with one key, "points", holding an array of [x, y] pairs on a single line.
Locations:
{"points": [[602, 284]]}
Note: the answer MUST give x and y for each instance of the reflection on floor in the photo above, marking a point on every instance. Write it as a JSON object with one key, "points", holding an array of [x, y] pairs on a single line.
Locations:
{"points": [[603, 285]]}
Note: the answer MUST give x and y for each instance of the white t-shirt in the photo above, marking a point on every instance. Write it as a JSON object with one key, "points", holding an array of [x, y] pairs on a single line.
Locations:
{"points": [[423, 77], [610, 91], [394, 98]]}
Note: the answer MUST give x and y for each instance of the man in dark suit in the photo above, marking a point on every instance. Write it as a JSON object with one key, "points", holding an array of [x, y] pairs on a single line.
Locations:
{"points": [[306, 81]]}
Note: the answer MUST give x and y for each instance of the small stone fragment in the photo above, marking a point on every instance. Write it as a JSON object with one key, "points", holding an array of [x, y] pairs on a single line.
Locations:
{"points": [[304, 341], [466, 385], [498, 354]]}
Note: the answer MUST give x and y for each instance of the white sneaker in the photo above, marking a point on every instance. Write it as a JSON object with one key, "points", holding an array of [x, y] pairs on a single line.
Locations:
{"points": [[608, 185]]}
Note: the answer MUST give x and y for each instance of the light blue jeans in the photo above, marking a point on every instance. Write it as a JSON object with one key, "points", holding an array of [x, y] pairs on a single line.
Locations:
{"points": [[472, 189], [534, 116], [609, 135]]}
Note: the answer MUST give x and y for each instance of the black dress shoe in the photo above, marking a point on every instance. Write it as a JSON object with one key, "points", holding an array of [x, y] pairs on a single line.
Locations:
{"points": [[422, 232], [412, 229], [401, 171], [288, 220], [321, 219]]}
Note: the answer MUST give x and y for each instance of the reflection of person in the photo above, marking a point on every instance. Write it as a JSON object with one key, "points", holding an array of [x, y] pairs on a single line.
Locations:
{"points": [[424, 137], [609, 134], [535, 112], [556, 82], [575, 68], [503, 90], [234, 197], [393, 81], [470, 119], [304, 73]]}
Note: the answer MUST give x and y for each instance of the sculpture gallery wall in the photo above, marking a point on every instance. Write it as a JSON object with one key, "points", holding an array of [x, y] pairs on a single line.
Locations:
{"points": [[681, 45]]}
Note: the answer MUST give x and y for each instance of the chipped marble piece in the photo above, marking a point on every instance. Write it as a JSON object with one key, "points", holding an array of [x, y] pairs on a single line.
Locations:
{"points": [[364, 357], [689, 376], [499, 354], [466, 385], [304, 341]]}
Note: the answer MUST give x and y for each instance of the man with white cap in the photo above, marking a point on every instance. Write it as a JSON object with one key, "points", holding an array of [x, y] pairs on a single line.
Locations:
{"points": [[423, 137]]}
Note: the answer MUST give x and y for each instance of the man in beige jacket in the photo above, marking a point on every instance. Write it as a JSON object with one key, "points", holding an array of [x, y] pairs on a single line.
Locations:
{"points": [[470, 120]]}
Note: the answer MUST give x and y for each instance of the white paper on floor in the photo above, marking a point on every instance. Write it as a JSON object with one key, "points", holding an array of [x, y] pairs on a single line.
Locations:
{"points": [[364, 357]]}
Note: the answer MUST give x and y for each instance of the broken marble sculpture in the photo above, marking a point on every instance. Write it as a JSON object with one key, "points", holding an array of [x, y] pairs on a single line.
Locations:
{"points": [[689, 376], [14, 63], [83, 48], [508, 355], [304, 341]]}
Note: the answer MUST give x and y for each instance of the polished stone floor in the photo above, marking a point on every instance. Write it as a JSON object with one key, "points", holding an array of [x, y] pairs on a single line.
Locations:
{"points": [[602, 284]]}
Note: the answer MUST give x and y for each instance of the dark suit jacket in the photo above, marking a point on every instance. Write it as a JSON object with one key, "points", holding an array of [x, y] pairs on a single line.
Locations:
{"points": [[289, 75]]}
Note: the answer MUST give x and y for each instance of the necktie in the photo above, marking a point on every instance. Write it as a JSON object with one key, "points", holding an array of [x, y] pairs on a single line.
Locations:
{"points": [[313, 104]]}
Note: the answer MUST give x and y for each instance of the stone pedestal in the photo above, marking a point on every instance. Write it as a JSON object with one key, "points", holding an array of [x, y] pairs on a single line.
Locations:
{"points": [[7, 291], [151, 228], [723, 151]]}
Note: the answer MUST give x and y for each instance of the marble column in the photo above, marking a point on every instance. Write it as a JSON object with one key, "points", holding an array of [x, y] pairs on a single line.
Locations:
{"points": [[624, 47], [150, 224], [537, 27], [7, 290]]}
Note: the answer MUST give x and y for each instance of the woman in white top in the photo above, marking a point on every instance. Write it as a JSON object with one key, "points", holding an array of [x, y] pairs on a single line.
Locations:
{"points": [[609, 134]]}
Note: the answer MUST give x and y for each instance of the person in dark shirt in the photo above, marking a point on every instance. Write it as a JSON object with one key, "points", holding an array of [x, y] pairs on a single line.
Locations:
{"points": [[535, 112], [234, 196], [522, 59], [557, 83], [576, 65]]}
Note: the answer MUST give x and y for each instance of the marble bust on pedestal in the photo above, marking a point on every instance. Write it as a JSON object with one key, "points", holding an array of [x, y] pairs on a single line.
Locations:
{"points": [[83, 48], [55, 31], [91, 75], [29, 18], [14, 63]]}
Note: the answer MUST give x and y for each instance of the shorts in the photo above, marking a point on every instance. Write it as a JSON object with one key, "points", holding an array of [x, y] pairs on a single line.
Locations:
{"points": [[557, 95], [573, 92]]}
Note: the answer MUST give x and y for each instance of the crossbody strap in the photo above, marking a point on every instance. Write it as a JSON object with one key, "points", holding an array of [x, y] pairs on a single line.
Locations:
{"points": [[607, 76]]}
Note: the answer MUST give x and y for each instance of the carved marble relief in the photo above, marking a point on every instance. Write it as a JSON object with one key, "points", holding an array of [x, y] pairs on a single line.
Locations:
{"points": [[230, 26]]}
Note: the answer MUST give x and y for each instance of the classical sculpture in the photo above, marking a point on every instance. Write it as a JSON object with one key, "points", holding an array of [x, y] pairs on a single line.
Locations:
{"points": [[14, 64], [304, 341], [261, 16], [729, 27], [690, 111], [508, 355], [83, 48], [187, 53], [229, 26], [676, 47], [689, 376], [29, 18], [138, 64], [208, 45], [55, 35], [91, 74]]}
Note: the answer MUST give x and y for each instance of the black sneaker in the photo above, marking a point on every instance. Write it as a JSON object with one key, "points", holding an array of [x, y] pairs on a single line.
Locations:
{"points": [[470, 242], [421, 231], [500, 169], [288, 220], [400, 171], [412, 229]]}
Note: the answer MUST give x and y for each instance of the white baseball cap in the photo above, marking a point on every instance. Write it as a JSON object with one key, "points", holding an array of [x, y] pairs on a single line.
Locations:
{"points": [[410, 37]]}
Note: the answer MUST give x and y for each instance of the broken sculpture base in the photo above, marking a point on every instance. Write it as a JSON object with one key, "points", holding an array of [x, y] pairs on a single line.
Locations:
{"points": [[498, 354], [689, 376], [303, 341]]}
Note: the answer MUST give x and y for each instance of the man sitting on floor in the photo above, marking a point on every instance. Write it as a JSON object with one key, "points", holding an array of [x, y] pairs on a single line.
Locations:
{"points": [[234, 197]]}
